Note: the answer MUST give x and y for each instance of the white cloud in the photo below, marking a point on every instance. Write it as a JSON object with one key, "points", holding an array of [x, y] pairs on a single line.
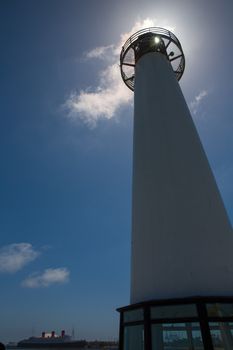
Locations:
{"points": [[14, 257], [194, 105], [99, 52], [47, 278], [102, 102]]}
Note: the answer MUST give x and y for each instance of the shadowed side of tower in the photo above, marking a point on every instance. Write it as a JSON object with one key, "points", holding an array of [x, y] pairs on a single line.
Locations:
{"points": [[181, 237]]}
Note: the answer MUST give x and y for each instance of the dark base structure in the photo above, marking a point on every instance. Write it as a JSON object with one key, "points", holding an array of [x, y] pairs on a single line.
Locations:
{"points": [[195, 323]]}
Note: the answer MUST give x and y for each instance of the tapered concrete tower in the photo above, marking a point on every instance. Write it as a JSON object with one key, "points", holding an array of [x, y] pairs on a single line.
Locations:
{"points": [[182, 240]]}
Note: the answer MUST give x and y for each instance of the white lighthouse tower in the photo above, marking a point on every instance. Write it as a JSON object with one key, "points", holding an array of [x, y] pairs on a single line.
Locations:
{"points": [[182, 240]]}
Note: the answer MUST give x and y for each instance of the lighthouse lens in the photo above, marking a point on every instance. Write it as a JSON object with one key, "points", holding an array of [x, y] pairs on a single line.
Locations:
{"points": [[157, 40]]}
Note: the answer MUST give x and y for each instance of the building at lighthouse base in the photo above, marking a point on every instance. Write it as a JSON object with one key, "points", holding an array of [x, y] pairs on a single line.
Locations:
{"points": [[190, 323]]}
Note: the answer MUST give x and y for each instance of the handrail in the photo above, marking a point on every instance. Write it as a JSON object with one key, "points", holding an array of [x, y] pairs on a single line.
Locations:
{"points": [[154, 30], [133, 41]]}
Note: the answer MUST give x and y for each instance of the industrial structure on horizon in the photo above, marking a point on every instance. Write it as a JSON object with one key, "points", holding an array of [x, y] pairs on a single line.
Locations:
{"points": [[182, 240]]}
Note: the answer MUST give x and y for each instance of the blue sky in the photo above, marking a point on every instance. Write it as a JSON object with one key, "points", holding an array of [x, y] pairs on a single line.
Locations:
{"points": [[66, 150]]}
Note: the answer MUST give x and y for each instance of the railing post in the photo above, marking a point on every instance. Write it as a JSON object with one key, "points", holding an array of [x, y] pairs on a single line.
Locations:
{"points": [[205, 330]]}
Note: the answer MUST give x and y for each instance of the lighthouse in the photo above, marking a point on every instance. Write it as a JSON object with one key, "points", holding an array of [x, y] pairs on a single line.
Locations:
{"points": [[181, 294]]}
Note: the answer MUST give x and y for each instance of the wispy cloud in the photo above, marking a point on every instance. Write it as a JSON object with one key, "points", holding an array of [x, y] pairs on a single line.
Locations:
{"points": [[194, 105], [103, 101], [47, 278], [14, 257], [99, 52]]}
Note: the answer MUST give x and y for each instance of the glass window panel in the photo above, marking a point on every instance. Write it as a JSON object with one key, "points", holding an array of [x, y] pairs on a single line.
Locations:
{"points": [[220, 310], [173, 311], [133, 315], [222, 335], [134, 337], [177, 336]]}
